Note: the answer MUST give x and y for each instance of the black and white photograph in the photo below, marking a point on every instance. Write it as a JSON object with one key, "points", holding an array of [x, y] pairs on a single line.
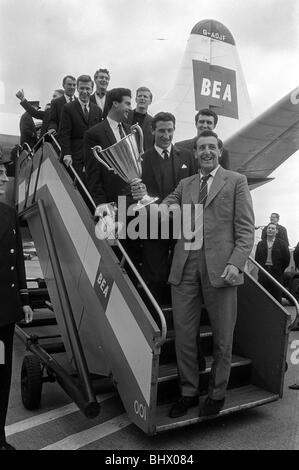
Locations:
{"points": [[149, 234]]}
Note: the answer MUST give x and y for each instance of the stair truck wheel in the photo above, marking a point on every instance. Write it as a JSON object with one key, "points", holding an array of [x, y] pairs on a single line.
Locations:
{"points": [[31, 382]]}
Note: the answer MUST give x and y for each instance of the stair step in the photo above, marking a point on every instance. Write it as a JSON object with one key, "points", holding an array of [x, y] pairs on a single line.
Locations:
{"points": [[205, 332], [237, 399], [170, 371]]}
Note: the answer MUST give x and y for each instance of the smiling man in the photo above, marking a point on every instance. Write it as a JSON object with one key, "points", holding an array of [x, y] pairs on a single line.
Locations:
{"points": [[209, 268], [103, 185], [76, 118], [101, 79]]}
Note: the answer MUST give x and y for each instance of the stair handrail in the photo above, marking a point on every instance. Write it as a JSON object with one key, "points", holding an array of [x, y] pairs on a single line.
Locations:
{"points": [[126, 256], [282, 288]]}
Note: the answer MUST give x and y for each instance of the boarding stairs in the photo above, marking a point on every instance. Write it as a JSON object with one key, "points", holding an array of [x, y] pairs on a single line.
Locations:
{"points": [[110, 324]]}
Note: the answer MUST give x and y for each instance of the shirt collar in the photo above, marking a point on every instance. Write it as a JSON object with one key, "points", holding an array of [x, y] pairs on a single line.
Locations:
{"points": [[212, 173], [84, 104], [159, 150], [113, 123]]}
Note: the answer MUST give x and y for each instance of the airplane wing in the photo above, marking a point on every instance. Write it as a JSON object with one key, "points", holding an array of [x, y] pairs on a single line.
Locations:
{"points": [[260, 147]]}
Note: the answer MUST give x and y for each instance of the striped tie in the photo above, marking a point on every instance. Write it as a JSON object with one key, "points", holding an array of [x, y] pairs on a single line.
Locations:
{"points": [[121, 132], [197, 212]]}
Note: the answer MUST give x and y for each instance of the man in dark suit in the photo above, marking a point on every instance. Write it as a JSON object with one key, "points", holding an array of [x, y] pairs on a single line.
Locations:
{"points": [[141, 117], [281, 231], [104, 186], [163, 166], [27, 127], [13, 293], [207, 266], [101, 79], [37, 113], [273, 254], [76, 118], [69, 86], [206, 119]]}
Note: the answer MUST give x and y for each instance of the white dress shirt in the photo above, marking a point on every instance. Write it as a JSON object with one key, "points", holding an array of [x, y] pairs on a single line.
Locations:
{"points": [[211, 179], [114, 126], [160, 151]]}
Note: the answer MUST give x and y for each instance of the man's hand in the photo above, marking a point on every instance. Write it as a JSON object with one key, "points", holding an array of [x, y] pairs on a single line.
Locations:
{"points": [[138, 189], [20, 95], [67, 160], [230, 274], [28, 313]]}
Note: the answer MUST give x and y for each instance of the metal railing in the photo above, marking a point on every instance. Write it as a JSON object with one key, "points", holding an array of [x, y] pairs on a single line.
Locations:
{"points": [[281, 287], [155, 304]]}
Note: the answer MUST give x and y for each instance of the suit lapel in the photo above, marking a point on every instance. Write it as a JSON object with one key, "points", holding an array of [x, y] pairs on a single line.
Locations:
{"points": [[176, 163], [218, 183], [194, 190], [156, 168], [109, 133]]}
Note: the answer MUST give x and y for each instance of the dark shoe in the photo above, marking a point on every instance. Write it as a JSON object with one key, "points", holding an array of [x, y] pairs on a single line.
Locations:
{"points": [[7, 446], [180, 407], [211, 407]]}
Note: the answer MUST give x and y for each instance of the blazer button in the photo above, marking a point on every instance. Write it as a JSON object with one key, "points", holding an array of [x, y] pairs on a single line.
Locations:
{"points": [[12, 250], [12, 285], [12, 268]]}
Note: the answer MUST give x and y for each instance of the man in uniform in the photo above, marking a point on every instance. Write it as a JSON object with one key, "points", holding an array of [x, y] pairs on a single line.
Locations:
{"points": [[13, 293]]}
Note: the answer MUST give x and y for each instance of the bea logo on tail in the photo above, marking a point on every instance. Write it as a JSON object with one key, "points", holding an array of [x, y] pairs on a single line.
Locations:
{"points": [[215, 87]]}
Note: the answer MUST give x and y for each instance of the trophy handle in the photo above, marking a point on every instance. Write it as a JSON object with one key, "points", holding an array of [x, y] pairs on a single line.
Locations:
{"points": [[137, 129], [95, 152]]}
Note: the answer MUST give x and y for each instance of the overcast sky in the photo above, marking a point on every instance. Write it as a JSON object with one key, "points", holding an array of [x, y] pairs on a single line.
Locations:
{"points": [[43, 40]]}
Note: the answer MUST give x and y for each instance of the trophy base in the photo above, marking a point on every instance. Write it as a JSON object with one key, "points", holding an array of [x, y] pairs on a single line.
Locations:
{"points": [[145, 201]]}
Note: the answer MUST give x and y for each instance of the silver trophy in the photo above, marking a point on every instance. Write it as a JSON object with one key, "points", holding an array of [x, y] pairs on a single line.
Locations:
{"points": [[124, 159]]}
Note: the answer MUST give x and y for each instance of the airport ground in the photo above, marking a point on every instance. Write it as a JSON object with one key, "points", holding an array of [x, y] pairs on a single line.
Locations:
{"points": [[58, 424]]}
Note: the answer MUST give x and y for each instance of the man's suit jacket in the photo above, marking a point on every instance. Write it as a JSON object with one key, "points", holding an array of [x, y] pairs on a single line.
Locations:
{"points": [[183, 166], [146, 127], [189, 145], [280, 255], [282, 234], [228, 225], [105, 110], [38, 114], [103, 185], [73, 125], [55, 112], [27, 130], [13, 288]]}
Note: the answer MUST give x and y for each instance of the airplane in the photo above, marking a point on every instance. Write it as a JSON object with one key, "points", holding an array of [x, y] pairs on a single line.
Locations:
{"points": [[107, 325]]}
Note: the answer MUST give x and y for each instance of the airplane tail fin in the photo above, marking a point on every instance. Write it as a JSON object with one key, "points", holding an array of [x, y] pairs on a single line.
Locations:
{"points": [[210, 76]]}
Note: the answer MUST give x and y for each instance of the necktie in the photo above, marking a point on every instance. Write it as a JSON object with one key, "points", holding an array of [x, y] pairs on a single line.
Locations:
{"points": [[71, 99], [121, 132], [203, 190], [85, 111], [197, 219], [165, 153]]}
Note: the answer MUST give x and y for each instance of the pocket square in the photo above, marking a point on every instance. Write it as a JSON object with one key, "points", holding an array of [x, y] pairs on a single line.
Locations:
{"points": [[184, 166]]}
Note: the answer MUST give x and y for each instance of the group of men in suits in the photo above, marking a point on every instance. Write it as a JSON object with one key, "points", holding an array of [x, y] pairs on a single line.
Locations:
{"points": [[187, 173]]}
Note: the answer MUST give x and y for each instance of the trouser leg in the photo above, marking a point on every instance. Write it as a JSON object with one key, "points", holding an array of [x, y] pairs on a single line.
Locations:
{"points": [[6, 336], [221, 304], [186, 304]]}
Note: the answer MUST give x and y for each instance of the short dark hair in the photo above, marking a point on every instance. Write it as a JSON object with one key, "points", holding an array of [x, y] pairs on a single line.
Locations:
{"points": [[206, 112], [144, 88], [117, 94], [101, 71], [162, 116], [206, 133], [66, 77], [85, 79], [275, 213], [272, 223]]}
